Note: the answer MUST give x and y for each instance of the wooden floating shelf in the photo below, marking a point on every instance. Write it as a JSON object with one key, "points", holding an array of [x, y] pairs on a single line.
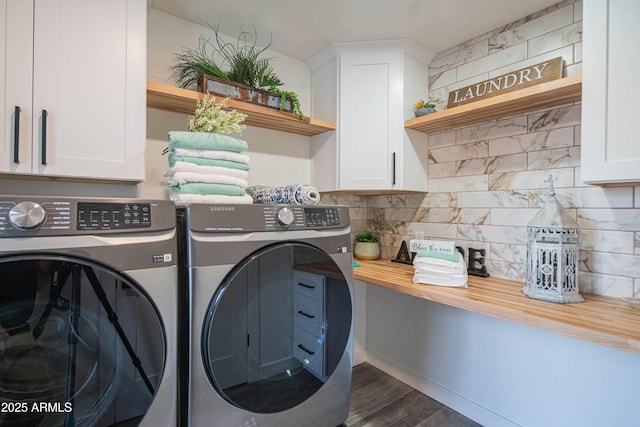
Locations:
{"points": [[171, 98], [602, 320], [544, 95]]}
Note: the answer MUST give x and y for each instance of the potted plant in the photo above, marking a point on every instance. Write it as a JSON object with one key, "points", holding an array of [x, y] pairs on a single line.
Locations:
{"points": [[422, 108], [367, 246], [253, 74]]}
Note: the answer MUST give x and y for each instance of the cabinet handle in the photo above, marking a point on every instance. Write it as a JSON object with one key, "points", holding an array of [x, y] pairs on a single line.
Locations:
{"points": [[304, 285], [43, 159], [310, 316], [393, 170], [16, 135], [306, 350]]}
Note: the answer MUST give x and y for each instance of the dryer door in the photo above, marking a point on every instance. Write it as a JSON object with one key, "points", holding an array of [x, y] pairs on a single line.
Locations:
{"points": [[69, 331], [274, 334]]}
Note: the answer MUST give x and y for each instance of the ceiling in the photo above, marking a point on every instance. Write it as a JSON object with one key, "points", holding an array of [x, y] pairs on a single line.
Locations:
{"points": [[302, 28]]}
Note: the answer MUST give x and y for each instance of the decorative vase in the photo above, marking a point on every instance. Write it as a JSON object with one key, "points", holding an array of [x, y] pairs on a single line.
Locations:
{"points": [[424, 111], [367, 250]]}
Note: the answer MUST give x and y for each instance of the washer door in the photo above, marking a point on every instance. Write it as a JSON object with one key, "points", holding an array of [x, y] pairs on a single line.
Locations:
{"points": [[269, 343], [69, 331]]}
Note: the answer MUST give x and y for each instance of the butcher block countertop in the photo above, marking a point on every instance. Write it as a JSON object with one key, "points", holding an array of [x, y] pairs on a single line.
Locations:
{"points": [[602, 320]]}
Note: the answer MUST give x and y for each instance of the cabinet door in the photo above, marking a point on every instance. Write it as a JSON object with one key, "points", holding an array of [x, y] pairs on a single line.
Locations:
{"points": [[610, 92], [16, 41], [369, 116], [89, 88]]}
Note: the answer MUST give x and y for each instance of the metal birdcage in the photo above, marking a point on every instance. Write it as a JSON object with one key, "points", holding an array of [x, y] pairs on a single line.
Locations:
{"points": [[552, 254]]}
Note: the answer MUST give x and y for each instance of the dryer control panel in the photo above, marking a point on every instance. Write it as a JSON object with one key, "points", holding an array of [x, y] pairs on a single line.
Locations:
{"points": [[24, 216], [257, 217]]}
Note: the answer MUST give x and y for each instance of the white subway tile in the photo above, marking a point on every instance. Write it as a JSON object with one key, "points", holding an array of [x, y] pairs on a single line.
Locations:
{"points": [[465, 183], [560, 38], [502, 58], [609, 219], [530, 179], [621, 242], [556, 158], [491, 234], [512, 217], [460, 152]]}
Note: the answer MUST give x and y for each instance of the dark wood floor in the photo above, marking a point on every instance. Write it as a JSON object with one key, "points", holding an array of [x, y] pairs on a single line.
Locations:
{"points": [[378, 399]]}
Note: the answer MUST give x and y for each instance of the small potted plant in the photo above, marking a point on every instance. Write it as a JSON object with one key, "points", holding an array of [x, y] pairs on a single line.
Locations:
{"points": [[422, 108], [367, 246]]}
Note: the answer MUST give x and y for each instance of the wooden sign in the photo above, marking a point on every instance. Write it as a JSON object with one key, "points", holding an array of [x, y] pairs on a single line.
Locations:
{"points": [[519, 79]]}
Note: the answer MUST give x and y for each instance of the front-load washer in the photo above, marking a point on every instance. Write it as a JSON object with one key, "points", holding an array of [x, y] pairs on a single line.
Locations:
{"points": [[270, 290], [88, 312]]}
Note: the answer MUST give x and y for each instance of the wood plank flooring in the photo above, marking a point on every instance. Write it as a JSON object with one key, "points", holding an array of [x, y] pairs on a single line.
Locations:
{"points": [[380, 400]]}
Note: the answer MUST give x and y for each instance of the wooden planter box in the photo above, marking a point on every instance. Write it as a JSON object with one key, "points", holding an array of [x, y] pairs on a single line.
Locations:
{"points": [[220, 87]]}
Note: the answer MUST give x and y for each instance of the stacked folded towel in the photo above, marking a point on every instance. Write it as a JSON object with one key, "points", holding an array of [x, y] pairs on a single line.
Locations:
{"points": [[207, 168], [437, 268], [287, 195]]}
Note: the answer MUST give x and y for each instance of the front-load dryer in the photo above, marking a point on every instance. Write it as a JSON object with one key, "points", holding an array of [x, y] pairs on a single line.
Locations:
{"points": [[270, 290], [88, 312]]}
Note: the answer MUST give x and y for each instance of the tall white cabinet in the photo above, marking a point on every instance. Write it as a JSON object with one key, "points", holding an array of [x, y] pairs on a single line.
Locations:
{"points": [[73, 97], [369, 90], [610, 91]]}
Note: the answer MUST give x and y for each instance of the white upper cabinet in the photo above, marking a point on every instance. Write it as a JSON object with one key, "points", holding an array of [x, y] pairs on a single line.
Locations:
{"points": [[75, 83], [369, 89], [610, 91]]}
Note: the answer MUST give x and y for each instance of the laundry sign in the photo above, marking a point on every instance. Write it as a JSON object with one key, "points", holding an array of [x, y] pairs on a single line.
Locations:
{"points": [[519, 79]]}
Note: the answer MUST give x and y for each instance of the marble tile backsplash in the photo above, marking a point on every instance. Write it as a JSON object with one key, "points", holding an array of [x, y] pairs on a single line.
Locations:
{"points": [[488, 180]]}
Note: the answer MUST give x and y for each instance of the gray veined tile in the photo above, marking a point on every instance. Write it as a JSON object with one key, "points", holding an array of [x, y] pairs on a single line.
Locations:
{"points": [[530, 179], [558, 117], [440, 200], [506, 270], [508, 163], [494, 199], [510, 55], [607, 241], [610, 263], [465, 183], [509, 253], [556, 158], [602, 284], [532, 29], [609, 219], [442, 170], [442, 139], [559, 38], [492, 130], [536, 141], [636, 243], [489, 233], [460, 152]]}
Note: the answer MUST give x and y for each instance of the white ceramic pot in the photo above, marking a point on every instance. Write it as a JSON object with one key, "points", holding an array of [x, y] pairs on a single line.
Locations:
{"points": [[367, 250]]}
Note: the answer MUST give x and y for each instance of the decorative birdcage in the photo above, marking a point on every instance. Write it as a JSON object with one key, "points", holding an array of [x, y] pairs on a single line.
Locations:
{"points": [[552, 254]]}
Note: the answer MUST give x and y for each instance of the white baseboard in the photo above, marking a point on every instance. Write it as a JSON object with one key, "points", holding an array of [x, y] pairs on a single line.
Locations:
{"points": [[447, 397]]}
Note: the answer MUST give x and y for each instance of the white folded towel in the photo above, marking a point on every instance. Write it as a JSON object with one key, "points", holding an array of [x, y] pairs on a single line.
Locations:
{"points": [[212, 154], [212, 198], [436, 271], [178, 178], [453, 280], [207, 170], [440, 265]]}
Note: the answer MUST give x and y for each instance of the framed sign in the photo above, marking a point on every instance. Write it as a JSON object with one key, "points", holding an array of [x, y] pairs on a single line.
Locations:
{"points": [[519, 79]]}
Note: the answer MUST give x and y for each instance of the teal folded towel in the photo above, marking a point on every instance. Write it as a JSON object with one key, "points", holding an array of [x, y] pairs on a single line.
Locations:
{"points": [[205, 141], [205, 188], [431, 254], [207, 162]]}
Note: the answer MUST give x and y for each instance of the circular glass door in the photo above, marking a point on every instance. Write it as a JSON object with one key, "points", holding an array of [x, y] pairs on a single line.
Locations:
{"points": [[70, 330], [274, 332]]}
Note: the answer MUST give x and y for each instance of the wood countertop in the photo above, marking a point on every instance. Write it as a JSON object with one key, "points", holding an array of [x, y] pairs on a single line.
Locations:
{"points": [[603, 320]]}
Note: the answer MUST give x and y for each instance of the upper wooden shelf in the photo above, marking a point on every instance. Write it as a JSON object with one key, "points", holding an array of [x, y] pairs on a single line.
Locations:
{"points": [[550, 94], [171, 98]]}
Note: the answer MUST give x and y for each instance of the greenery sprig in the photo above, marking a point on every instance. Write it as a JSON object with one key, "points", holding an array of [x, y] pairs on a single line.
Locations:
{"points": [[211, 116], [292, 96]]}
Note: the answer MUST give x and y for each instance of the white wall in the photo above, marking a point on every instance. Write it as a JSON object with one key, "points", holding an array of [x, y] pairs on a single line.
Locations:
{"points": [[277, 158], [496, 372]]}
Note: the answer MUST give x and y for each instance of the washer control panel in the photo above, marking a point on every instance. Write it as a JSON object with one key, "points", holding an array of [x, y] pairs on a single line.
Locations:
{"points": [[43, 215], [108, 216]]}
